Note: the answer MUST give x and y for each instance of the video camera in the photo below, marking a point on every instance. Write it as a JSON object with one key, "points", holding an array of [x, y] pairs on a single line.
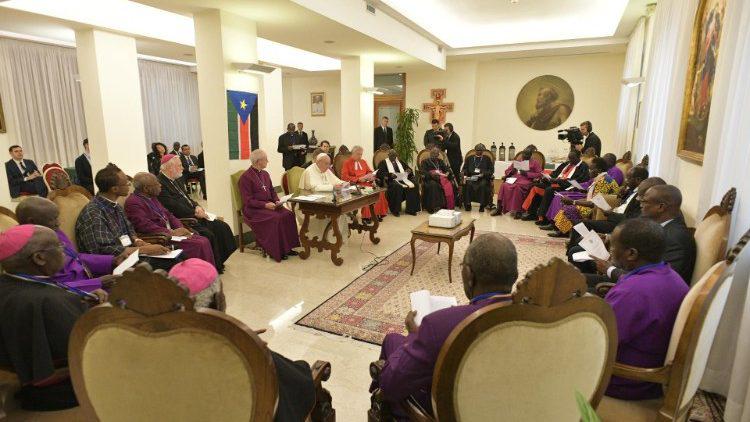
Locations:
{"points": [[571, 134]]}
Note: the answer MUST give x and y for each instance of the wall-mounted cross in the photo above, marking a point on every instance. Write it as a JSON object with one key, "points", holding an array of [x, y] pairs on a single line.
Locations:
{"points": [[437, 107]]}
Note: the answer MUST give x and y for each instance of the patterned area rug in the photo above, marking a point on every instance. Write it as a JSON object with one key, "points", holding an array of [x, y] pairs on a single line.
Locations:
{"points": [[707, 407], [376, 303]]}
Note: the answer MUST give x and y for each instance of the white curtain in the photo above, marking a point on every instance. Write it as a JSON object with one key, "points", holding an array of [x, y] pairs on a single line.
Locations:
{"points": [[169, 94], [665, 85], [39, 88], [628, 106], [725, 166]]}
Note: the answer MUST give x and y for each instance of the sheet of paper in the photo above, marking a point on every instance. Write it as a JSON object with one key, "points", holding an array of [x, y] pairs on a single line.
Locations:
{"points": [[581, 256], [420, 302], [521, 165], [510, 180], [211, 216], [581, 229], [600, 202], [441, 302], [575, 184], [401, 176], [473, 178], [127, 263], [283, 200], [309, 197], [171, 255], [178, 238], [594, 245], [299, 147]]}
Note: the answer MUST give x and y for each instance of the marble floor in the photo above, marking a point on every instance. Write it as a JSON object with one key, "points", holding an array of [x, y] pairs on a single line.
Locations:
{"points": [[265, 294]]}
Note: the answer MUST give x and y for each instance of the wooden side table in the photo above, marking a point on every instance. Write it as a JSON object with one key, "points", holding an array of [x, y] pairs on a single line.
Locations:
{"points": [[437, 235]]}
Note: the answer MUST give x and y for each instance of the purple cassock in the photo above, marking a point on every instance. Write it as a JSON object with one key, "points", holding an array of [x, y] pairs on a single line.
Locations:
{"points": [[148, 215], [556, 205], [410, 360], [616, 174], [275, 230], [645, 301], [511, 196], [82, 271]]}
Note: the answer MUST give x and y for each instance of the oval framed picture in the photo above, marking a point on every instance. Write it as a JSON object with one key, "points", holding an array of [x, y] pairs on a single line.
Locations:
{"points": [[545, 102]]}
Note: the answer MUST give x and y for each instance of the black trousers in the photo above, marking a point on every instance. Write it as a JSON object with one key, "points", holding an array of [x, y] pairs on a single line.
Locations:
{"points": [[36, 186], [296, 389], [397, 193], [221, 237], [478, 191]]}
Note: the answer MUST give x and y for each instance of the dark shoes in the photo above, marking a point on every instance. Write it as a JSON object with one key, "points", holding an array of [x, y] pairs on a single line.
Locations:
{"points": [[481, 209], [380, 218], [292, 253], [548, 227], [528, 217], [557, 233], [543, 222], [496, 212], [467, 208]]}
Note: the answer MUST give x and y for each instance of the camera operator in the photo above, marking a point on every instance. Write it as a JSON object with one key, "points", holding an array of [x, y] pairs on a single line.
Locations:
{"points": [[590, 140]]}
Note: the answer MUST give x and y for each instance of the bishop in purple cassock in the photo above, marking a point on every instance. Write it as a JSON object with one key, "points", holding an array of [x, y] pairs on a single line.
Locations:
{"points": [[275, 227]]}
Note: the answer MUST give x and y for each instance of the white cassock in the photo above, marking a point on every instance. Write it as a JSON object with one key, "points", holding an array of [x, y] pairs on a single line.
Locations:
{"points": [[316, 181]]}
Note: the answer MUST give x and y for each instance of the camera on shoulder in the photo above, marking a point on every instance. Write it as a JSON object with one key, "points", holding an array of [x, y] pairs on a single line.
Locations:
{"points": [[571, 134]]}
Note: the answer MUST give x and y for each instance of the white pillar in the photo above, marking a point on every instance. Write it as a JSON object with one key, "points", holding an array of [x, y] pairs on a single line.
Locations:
{"points": [[221, 39], [272, 122], [111, 89], [357, 106]]}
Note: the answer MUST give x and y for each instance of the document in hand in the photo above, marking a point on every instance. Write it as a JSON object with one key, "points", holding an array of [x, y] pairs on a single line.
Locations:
{"points": [[521, 165], [600, 202], [169, 255], [510, 180], [425, 304], [594, 245], [401, 176], [575, 184], [210, 216], [127, 263], [178, 238]]}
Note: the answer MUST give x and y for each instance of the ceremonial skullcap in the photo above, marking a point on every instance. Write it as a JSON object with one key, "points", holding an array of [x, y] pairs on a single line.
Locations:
{"points": [[195, 274], [167, 157], [321, 155], [14, 239]]}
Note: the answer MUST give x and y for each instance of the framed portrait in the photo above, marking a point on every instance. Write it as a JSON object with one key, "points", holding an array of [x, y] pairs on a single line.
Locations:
{"points": [[317, 103], [704, 52], [3, 129], [545, 102]]}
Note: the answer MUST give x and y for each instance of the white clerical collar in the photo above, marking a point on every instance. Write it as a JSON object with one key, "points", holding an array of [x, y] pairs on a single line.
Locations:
{"points": [[108, 200], [664, 224]]}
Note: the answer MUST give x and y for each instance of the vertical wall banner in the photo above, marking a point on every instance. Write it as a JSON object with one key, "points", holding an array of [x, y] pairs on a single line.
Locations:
{"points": [[242, 124]]}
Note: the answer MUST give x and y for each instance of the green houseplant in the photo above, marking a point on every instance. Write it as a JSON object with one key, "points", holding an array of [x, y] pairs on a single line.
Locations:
{"points": [[405, 146]]}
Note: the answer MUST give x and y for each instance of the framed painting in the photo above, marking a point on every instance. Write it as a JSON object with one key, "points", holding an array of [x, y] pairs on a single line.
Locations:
{"points": [[317, 103], [3, 129], [704, 52]]}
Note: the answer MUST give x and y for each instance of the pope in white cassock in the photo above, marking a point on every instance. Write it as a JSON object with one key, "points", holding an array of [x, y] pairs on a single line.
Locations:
{"points": [[320, 178]]}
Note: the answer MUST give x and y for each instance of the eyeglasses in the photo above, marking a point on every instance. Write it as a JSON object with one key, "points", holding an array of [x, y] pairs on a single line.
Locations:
{"points": [[59, 247]]}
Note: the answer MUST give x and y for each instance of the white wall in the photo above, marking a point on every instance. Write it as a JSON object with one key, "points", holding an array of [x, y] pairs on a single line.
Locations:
{"points": [[297, 105]]}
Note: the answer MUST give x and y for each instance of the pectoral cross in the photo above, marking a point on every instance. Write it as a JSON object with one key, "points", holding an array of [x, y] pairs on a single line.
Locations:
{"points": [[437, 107]]}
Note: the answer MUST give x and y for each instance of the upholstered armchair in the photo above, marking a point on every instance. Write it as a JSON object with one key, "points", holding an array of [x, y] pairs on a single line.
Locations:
{"points": [[625, 163], [549, 343], [150, 355], [70, 201], [8, 219], [55, 177]]}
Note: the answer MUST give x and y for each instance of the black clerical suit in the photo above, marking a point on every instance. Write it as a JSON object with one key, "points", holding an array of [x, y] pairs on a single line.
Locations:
{"points": [[295, 157], [429, 136], [187, 162], [396, 191], [16, 177], [382, 136], [540, 205], [451, 144], [83, 173], [175, 199], [593, 141], [480, 189]]}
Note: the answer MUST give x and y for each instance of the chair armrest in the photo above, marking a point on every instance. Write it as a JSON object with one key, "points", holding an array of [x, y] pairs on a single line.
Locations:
{"points": [[603, 288], [323, 410], [416, 412], [155, 238], [376, 368], [658, 375], [321, 371]]}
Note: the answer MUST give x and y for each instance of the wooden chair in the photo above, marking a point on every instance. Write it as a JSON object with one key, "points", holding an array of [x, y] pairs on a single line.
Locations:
{"points": [[491, 156], [421, 156], [339, 160], [644, 162], [378, 157], [625, 163], [70, 201], [8, 219], [55, 177], [689, 348], [711, 235], [535, 156], [149, 355], [548, 344], [237, 205]]}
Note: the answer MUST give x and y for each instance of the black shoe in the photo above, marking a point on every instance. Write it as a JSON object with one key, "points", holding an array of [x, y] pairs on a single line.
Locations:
{"points": [[380, 218], [542, 222], [528, 217], [292, 253], [496, 212], [481, 209], [467, 208], [548, 227], [284, 257], [557, 234], [366, 221], [410, 213], [516, 215]]}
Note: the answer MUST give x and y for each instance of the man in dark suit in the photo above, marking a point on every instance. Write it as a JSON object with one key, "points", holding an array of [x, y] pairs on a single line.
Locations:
{"points": [[382, 135], [83, 168], [190, 169], [451, 144], [292, 156], [478, 175], [430, 134], [301, 134], [660, 203], [573, 169], [175, 199], [23, 175], [175, 148], [590, 139]]}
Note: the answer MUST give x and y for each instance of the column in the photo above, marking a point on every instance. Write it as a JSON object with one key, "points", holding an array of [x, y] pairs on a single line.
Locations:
{"points": [[221, 39], [357, 106], [111, 89]]}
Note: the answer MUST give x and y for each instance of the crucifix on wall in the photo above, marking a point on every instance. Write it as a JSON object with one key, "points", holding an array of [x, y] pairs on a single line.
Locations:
{"points": [[437, 107]]}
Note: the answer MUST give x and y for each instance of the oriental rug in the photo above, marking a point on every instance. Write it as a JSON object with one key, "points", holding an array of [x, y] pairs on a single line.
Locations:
{"points": [[375, 303]]}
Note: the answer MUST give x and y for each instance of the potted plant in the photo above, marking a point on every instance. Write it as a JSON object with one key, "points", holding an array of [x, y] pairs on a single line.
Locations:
{"points": [[405, 146]]}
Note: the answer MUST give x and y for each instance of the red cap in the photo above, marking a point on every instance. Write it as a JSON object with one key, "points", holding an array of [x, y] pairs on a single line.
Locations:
{"points": [[14, 239]]}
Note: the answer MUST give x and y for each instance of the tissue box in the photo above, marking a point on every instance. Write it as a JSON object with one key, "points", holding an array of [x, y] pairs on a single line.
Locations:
{"points": [[445, 218]]}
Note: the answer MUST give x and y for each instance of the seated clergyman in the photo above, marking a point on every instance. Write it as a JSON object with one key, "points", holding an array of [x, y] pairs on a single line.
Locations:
{"points": [[37, 316], [489, 269], [478, 173], [399, 189], [87, 272], [645, 301], [438, 183]]}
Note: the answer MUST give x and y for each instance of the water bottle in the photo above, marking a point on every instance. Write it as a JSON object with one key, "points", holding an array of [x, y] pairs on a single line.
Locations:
{"points": [[501, 157], [511, 152], [493, 149]]}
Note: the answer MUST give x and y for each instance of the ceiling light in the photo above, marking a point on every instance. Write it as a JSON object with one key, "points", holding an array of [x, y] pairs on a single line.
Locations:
{"points": [[288, 56], [252, 68]]}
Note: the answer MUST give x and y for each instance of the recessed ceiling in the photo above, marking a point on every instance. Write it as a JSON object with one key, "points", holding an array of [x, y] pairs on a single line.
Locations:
{"points": [[475, 23]]}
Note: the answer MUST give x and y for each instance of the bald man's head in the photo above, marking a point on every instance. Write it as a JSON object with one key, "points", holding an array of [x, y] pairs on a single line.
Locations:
{"points": [[146, 184], [39, 211], [647, 184], [490, 265]]}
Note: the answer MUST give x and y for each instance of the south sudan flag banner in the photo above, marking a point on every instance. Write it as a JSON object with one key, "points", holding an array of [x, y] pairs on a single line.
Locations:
{"points": [[242, 121]]}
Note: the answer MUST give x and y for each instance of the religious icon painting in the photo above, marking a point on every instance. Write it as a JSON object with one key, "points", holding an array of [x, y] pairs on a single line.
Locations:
{"points": [[242, 124], [545, 102], [317, 104], [704, 52]]}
